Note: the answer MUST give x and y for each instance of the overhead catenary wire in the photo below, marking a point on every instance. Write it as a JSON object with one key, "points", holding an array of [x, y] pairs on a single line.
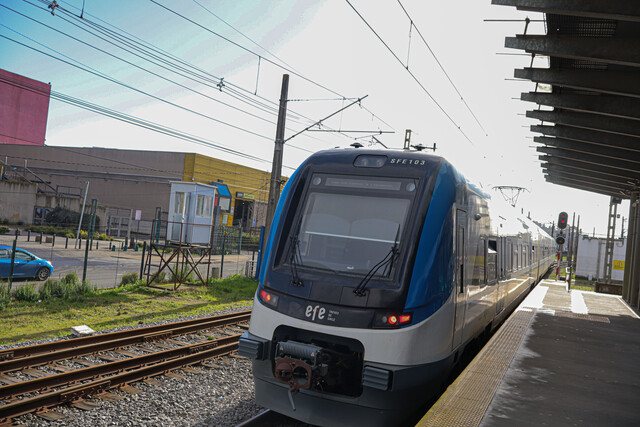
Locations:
{"points": [[90, 70], [242, 34], [145, 53], [411, 74], [160, 55], [219, 82], [288, 70], [136, 121], [413, 25], [142, 68]]}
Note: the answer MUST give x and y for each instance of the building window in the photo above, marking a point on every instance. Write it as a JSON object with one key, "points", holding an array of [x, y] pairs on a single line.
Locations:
{"points": [[178, 206], [204, 205]]}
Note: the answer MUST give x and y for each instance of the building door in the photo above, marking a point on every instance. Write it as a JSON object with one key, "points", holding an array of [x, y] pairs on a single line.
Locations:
{"points": [[242, 213]]}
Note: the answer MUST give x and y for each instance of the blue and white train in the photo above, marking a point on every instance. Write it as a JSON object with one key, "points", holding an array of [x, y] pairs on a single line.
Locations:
{"points": [[380, 267]]}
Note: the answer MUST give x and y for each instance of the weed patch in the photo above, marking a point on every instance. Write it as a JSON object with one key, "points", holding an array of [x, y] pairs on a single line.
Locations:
{"points": [[63, 304]]}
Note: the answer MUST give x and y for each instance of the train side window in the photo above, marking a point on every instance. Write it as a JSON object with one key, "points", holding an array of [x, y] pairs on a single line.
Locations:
{"points": [[478, 274], [492, 260]]}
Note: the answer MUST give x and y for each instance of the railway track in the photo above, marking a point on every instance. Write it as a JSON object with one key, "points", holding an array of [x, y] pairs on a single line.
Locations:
{"points": [[269, 418], [42, 376]]}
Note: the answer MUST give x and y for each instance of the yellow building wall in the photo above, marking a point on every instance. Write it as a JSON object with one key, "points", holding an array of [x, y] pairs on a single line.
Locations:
{"points": [[243, 179]]}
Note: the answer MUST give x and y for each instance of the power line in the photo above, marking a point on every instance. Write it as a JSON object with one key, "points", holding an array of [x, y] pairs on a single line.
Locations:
{"points": [[288, 70], [160, 55], [113, 80], [221, 83], [242, 34], [135, 120], [139, 67], [410, 73], [441, 67], [244, 48]]}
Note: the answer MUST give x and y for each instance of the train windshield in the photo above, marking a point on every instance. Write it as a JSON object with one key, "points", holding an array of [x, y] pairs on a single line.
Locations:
{"points": [[350, 224]]}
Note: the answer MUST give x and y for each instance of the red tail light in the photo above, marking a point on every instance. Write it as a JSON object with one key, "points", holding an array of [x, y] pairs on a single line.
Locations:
{"points": [[387, 320], [267, 298], [405, 318]]}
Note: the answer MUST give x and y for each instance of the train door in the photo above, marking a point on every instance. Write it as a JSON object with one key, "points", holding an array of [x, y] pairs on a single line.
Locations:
{"points": [[460, 291], [502, 267]]}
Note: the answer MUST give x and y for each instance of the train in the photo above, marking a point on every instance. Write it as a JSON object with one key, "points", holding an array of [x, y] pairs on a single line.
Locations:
{"points": [[380, 268]]}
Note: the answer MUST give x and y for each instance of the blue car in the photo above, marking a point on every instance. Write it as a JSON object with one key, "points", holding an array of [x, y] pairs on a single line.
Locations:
{"points": [[26, 264]]}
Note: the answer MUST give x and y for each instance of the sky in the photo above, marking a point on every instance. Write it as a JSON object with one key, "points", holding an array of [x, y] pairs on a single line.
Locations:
{"points": [[333, 58]]}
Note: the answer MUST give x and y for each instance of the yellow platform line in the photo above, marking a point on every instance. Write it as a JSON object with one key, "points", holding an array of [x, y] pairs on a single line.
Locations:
{"points": [[465, 402]]}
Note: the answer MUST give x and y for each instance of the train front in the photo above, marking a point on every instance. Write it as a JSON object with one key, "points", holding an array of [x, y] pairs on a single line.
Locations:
{"points": [[344, 330]]}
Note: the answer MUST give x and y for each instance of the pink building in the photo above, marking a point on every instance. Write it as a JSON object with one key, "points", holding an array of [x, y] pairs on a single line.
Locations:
{"points": [[24, 106]]}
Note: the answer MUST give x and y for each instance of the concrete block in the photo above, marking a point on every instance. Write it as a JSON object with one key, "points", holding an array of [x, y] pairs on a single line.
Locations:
{"points": [[82, 331]]}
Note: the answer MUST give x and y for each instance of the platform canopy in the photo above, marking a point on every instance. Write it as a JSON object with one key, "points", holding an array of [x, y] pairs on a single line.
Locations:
{"points": [[590, 137]]}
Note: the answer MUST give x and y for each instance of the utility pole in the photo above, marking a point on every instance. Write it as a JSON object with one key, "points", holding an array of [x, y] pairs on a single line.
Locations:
{"points": [[84, 202], [276, 166]]}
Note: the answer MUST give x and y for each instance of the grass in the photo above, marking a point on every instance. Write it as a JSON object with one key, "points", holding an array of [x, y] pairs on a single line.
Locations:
{"points": [[583, 284], [127, 305]]}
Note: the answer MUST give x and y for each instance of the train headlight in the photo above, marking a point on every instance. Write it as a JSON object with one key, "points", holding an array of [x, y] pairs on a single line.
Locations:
{"points": [[268, 298], [392, 320]]}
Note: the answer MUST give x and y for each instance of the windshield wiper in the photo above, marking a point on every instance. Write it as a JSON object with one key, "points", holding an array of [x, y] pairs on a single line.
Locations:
{"points": [[296, 258], [387, 261]]}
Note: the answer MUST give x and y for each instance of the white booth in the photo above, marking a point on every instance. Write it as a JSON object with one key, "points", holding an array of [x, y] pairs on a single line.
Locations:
{"points": [[191, 208]]}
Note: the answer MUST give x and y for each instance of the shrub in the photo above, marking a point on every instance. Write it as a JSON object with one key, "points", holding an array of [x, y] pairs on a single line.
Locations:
{"points": [[83, 234], [181, 275], [26, 293], [83, 289], [70, 288], [128, 279], [70, 234], [161, 278], [4, 229], [67, 218], [103, 237], [71, 278], [47, 229], [5, 298]]}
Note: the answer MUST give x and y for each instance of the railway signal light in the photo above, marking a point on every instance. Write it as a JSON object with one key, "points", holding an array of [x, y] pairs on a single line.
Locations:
{"points": [[560, 239], [562, 220]]}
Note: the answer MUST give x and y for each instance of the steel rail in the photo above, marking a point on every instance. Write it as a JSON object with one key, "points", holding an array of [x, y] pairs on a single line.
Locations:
{"points": [[256, 419], [54, 398], [13, 353], [10, 391], [268, 418], [143, 335]]}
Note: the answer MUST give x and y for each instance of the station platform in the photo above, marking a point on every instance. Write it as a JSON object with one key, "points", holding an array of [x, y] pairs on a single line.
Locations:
{"points": [[562, 358]]}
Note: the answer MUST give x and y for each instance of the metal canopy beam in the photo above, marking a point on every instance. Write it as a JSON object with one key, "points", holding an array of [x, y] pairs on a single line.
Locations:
{"points": [[589, 121], [608, 105], [588, 184], [589, 174], [621, 51], [589, 180], [599, 150], [590, 158], [589, 136], [586, 167], [581, 186], [624, 10], [612, 82]]}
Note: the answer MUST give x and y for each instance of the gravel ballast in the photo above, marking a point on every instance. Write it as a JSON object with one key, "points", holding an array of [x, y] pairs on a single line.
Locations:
{"points": [[216, 396]]}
